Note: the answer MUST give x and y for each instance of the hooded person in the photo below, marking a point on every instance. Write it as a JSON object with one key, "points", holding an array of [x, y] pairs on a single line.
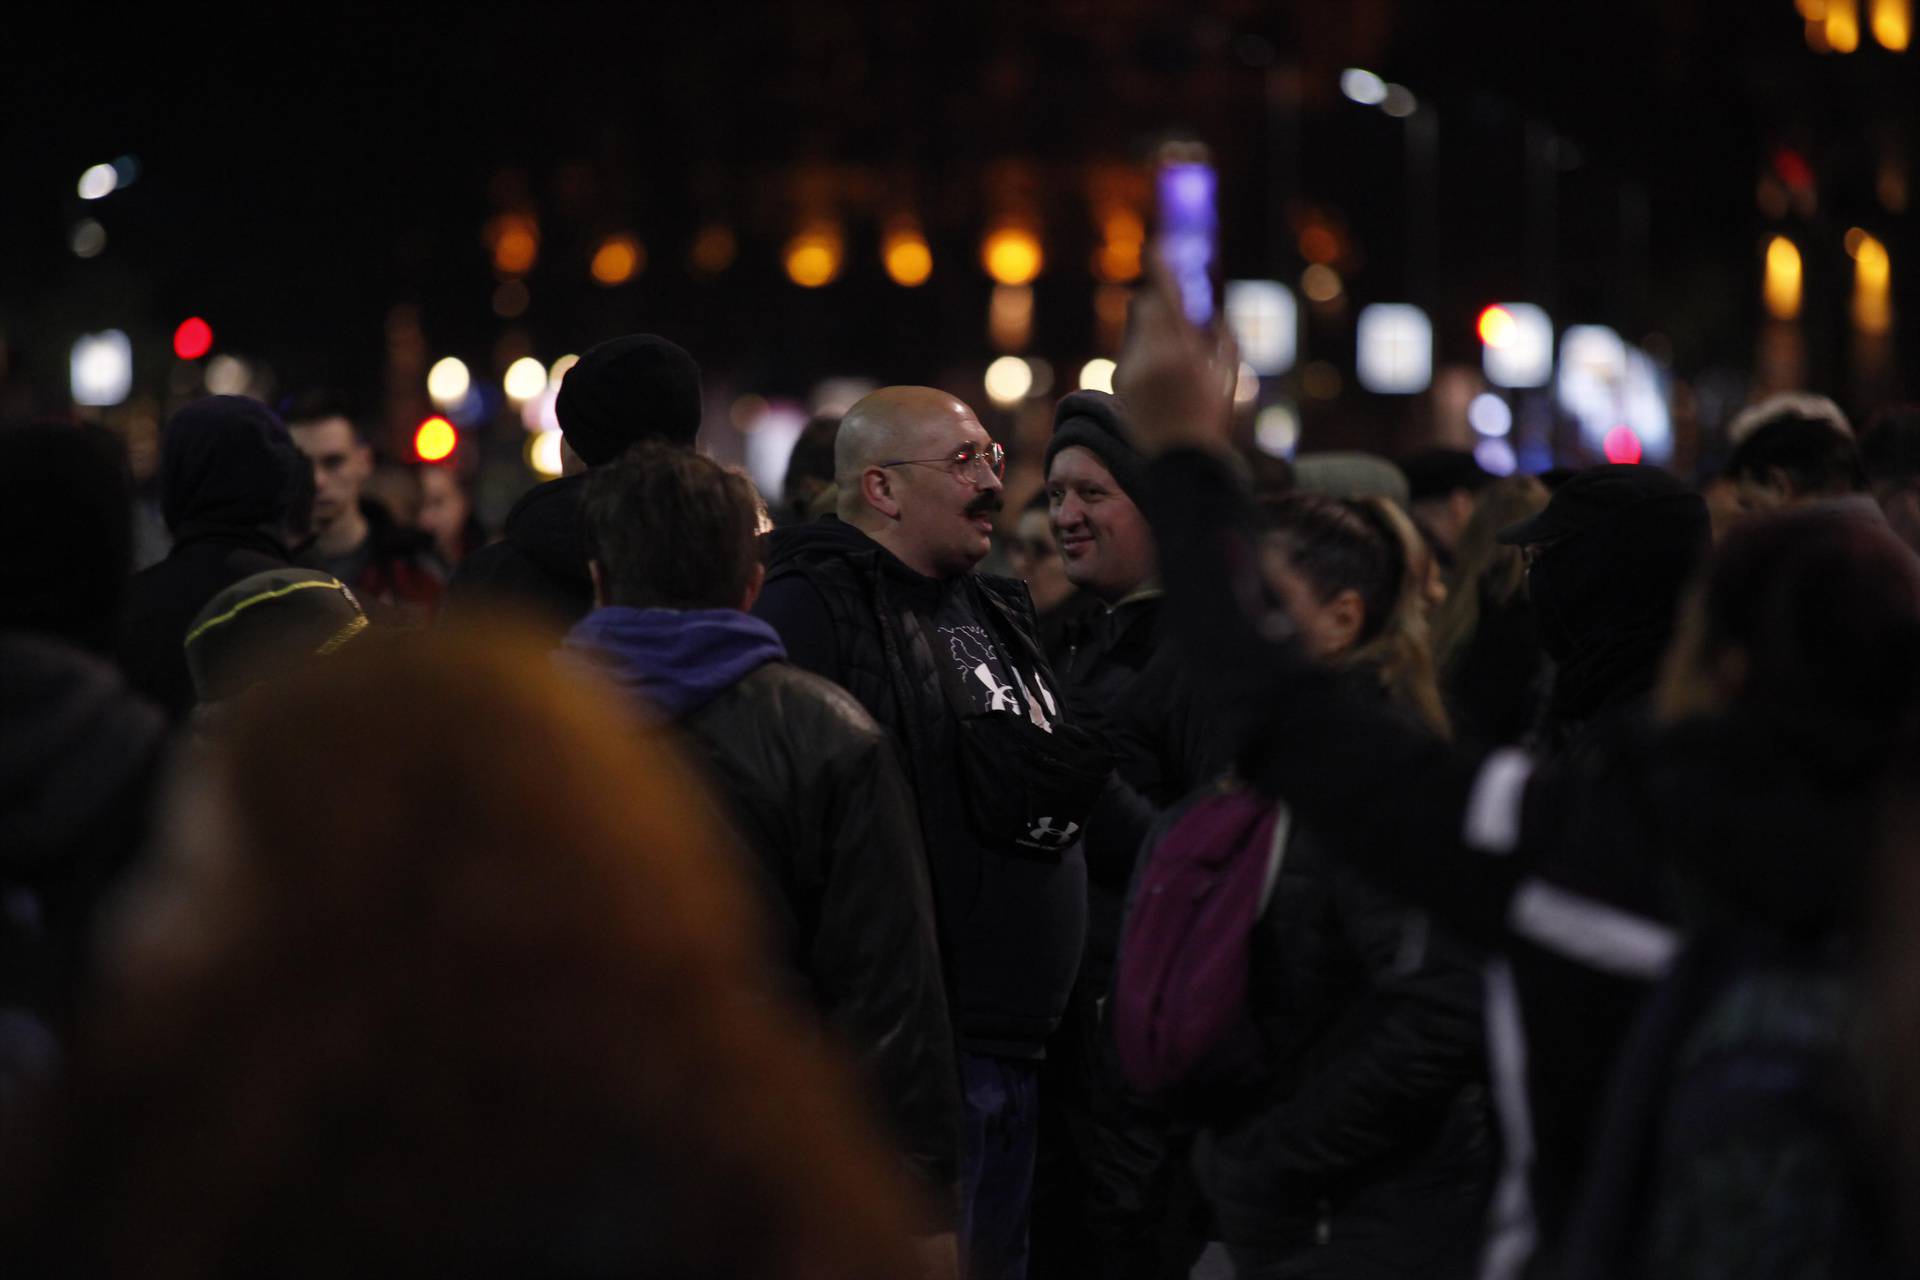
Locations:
{"points": [[622, 391], [233, 488], [804, 774], [78, 750], [1609, 556]]}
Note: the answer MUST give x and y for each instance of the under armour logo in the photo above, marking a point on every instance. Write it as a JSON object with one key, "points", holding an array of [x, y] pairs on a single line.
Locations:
{"points": [[1045, 833]]}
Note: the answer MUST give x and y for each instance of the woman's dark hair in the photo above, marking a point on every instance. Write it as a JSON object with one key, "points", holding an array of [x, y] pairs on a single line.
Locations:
{"points": [[672, 528], [1364, 547], [1823, 607]]}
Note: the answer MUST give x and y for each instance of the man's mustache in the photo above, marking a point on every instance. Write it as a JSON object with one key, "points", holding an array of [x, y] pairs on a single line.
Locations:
{"points": [[985, 505]]}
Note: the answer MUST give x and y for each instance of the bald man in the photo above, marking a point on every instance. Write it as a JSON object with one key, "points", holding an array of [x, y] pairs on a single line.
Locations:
{"points": [[883, 598]]}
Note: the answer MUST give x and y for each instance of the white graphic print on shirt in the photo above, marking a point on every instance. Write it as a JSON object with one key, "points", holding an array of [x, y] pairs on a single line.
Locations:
{"points": [[992, 680]]}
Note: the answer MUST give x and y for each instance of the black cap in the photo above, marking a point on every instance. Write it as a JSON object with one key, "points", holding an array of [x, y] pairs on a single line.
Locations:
{"points": [[266, 626], [1094, 421], [625, 390], [1596, 495]]}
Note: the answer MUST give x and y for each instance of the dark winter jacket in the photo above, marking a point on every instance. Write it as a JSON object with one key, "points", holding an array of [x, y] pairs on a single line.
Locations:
{"points": [[230, 479], [1370, 1142], [1551, 865], [79, 753], [395, 573], [1128, 686], [1736, 1140], [1011, 927], [539, 565], [810, 783]]}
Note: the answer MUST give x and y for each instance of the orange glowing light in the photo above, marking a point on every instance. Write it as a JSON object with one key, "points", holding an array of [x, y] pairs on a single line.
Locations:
{"points": [[1781, 288], [813, 257], [434, 440], [1843, 25], [1123, 236], [1012, 256], [516, 243], [1872, 287], [1892, 23], [618, 260], [1497, 327], [908, 259]]}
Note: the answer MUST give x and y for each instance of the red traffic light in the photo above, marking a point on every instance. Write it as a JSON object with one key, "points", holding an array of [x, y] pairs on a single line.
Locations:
{"points": [[193, 339]]}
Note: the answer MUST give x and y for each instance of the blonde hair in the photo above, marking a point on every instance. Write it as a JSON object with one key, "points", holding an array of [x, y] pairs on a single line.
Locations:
{"points": [[1484, 569], [1367, 546]]}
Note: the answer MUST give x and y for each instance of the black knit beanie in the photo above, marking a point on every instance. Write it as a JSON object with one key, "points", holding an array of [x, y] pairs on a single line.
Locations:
{"points": [[625, 390], [1095, 421]]}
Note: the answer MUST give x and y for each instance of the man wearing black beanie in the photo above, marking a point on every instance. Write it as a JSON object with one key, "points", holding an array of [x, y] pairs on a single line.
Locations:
{"points": [[622, 391], [1109, 1210]]}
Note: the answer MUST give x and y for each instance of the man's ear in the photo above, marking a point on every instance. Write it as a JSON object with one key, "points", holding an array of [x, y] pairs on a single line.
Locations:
{"points": [[876, 490], [1346, 615], [755, 581], [599, 577]]}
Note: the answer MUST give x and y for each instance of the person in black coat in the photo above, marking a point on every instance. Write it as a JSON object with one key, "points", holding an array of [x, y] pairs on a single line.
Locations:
{"points": [[622, 391], [1365, 1150], [1114, 1201], [804, 774], [79, 751], [1556, 867], [234, 491], [884, 601]]}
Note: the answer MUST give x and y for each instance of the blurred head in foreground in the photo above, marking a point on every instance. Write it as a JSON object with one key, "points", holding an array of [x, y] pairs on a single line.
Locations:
{"points": [[439, 974]]}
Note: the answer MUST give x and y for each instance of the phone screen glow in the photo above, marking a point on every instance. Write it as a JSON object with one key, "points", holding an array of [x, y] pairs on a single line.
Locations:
{"points": [[1189, 224]]}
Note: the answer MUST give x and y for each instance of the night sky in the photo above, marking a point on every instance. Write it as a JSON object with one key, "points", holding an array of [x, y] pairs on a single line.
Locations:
{"points": [[300, 177]]}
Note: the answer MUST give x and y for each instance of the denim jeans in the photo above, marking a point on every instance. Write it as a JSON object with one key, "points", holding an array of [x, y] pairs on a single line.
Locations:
{"points": [[996, 1177]]}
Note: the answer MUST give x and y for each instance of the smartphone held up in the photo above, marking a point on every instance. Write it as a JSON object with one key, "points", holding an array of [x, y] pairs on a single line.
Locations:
{"points": [[1186, 189]]}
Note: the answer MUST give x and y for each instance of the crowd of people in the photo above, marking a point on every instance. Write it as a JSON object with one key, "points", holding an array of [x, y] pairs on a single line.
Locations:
{"points": [[1345, 869]]}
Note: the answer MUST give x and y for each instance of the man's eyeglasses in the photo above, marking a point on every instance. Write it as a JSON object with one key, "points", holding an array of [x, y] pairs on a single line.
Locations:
{"points": [[964, 462]]}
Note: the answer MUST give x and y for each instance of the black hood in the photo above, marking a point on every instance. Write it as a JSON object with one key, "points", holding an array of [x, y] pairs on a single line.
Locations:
{"points": [[227, 462], [831, 535], [73, 738], [1606, 598], [548, 527]]}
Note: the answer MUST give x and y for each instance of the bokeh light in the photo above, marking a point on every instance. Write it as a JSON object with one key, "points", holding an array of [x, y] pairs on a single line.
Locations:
{"points": [[543, 453], [100, 369], [98, 182], [524, 379], [1008, 381], [434, 440], [1012, 255], [618, 260], [1097, 375], [88, 239], [1782, 285], [908, 260], [193, 339], [813, 257], [448, 381], [1622, 445]]}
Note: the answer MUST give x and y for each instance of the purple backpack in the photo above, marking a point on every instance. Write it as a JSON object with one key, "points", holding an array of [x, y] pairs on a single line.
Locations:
{"points": [[1180, 989]]}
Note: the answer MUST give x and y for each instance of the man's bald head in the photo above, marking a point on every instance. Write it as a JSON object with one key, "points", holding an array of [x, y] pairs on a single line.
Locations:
{"points": [[893, 465], [892, 423]]}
